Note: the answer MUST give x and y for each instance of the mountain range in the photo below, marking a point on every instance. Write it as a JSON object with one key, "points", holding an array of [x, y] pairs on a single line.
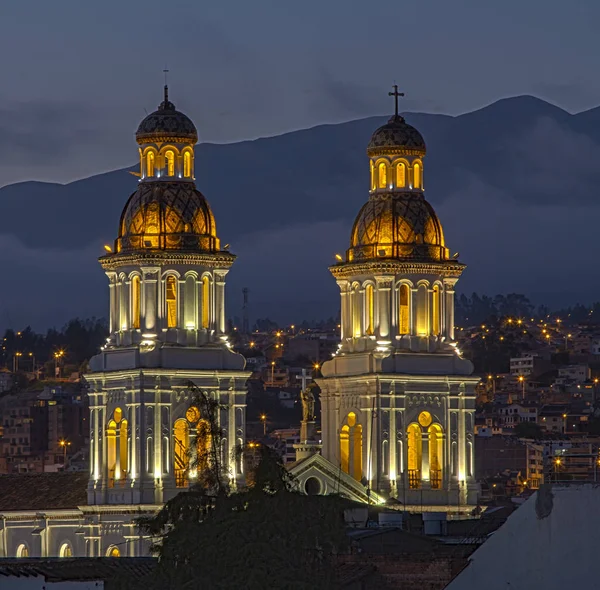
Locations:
{"points": [[514, 184]]}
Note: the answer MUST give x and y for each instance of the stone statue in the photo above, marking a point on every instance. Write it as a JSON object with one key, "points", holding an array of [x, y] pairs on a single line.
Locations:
{"points": [[308, 404]]}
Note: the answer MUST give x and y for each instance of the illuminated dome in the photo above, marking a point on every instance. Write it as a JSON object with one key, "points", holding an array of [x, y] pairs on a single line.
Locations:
{"points": [[396, 135], [167, 216], [397, 225], [166, 124]]}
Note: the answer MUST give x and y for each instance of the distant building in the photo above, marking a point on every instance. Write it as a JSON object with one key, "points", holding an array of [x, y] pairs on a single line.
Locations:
{"points": [[529, 366], [574, 373]]}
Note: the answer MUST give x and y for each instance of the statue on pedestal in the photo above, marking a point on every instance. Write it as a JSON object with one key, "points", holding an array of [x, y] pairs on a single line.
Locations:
{"points": [[308, 404]]}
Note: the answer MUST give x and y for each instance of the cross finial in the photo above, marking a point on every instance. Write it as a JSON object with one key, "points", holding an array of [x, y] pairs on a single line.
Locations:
{"points": [[166, 73], [396, 94]]}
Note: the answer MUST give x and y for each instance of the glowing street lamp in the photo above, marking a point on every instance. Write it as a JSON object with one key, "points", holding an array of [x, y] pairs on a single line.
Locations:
{"points": [[522, 381], [64, 444], [263, 419]]}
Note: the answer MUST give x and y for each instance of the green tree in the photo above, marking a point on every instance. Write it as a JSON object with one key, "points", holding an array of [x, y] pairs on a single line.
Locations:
{"points": [[266, 536]]}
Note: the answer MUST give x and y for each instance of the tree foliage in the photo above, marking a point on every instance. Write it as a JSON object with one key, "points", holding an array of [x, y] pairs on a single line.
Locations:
{"points": [[267, 535]]}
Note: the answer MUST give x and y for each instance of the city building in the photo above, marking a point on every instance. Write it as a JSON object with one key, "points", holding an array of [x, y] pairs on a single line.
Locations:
{"points": [[529, 365], [167, 346], [398, 400]]}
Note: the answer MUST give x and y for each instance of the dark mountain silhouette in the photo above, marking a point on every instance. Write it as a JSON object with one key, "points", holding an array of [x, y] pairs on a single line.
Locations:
{"points": [[515, 185]]}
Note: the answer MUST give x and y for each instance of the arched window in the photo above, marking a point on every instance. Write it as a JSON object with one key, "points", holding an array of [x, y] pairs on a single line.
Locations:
{"points": [[65, 550], [372, 176], [422, 311], [436, 456], [401, 175], [113, 552], [181, 440], [370, 309], [203, 445], [170, 162], [117, 435], [189, 302], [205, 302], [111, 459], [123, 448], [150, 164], [345, 449], [403, 315], [187, 164], [415, 455], [22, 550], [171, 299], [417, 175], [382, 175], [136, 301]]}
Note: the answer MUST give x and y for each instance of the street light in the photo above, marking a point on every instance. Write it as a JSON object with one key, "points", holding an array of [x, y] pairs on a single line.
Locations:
{"points": [[564, 423], [57, 356], [522, 380], [272, 372], [263, 419], [64, 444]]}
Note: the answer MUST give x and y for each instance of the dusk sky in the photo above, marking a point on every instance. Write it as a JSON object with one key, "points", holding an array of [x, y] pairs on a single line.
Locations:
{"points": [[78, 75]]}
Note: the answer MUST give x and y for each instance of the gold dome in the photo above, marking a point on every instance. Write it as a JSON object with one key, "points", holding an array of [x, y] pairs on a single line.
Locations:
{"points": [[397, 225], [167, 216]]}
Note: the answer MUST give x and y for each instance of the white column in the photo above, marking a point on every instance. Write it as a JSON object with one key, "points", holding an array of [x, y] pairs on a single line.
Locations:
{"points": [[384, 296], [449, 301], [346, 328], [112, 279], [413, 311], [220, 301], [150, 300]]}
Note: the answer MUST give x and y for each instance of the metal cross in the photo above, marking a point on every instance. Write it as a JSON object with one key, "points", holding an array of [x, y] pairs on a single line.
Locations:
{"points": [[396, 94]]}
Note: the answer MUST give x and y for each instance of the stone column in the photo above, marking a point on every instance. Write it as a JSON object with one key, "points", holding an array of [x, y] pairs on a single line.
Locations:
{"points": [[449, 300], [112, 279], [384, 295], [220, 301], [150, 299], [414, 299], [346, 328]]}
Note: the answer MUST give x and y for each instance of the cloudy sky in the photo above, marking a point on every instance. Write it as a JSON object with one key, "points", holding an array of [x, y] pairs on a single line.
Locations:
{"points": [[78, 76]]}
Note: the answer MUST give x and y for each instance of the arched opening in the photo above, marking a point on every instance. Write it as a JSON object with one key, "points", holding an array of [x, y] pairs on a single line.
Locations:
{"points": [[22, 550], [203, 445], [382, 169], [136, 301], [171, 300], [65, 550], [187, 164], [415, 455], [312, 486], [189, 302], [205, 302], [113, 551], [436, 311], [403, 315], [436, 454], [150, 164], [401, 175], [345, 449], [370, 309], [417, 175], [170, 162], [123, 448], [181, 439], [111, 455], [422, 311]]}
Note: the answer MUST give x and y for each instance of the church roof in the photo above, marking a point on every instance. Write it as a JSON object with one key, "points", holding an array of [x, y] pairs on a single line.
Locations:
{"points": [[43, 491], [397, 225], [396, 136], [166, 124], [167, 216]]}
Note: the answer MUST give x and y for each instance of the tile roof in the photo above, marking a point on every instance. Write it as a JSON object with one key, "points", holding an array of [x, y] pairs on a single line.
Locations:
{"points": [[123, 572], [43, 491]]}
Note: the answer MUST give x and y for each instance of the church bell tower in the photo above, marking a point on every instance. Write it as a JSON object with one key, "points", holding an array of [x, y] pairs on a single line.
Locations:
{"points": [[166, 276], [397, 399]]}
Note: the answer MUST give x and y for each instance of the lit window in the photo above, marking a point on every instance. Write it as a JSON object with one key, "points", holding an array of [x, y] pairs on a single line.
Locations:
{"points": [[136, 301], [437, 311], [403, 324], [205, 302], [171, 298], [170, 160], [382, 175], [187, 164], [372, 176], [113, 552], [65, 550], [401, 175], [417, 175], [150, 164]]}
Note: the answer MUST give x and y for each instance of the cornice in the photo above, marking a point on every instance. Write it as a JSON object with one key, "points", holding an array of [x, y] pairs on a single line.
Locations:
{"points": [[394, 151], [390, 266], [150, 138], [161, 257]]}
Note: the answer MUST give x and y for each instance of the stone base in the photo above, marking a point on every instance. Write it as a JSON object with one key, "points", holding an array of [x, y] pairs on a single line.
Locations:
{"points": [[304, 450]]}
